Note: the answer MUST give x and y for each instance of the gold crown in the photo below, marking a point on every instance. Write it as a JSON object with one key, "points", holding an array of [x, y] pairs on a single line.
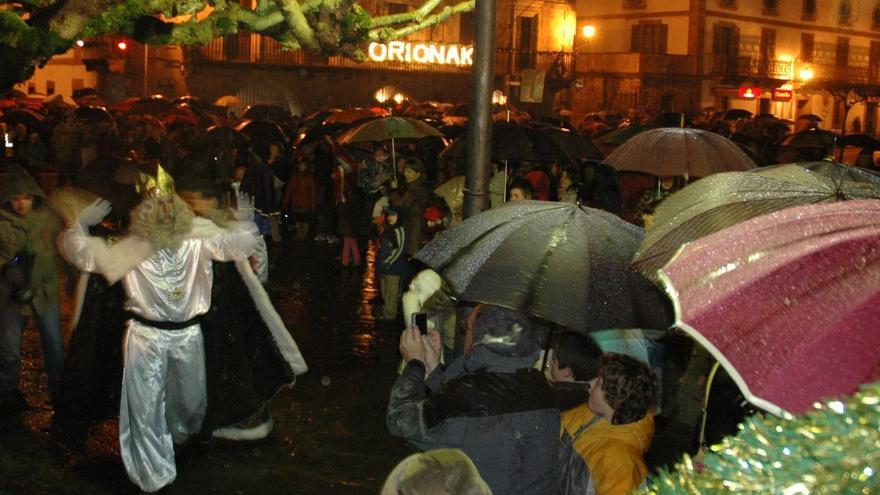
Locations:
{"points": [[162, 185]]}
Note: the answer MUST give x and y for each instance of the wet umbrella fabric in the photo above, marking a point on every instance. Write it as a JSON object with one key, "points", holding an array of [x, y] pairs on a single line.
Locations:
{"points": [[788, 303], [673, 151], [736, 113], [387, 128], [811, 138], [723, 200], [513, 141], [617, 137], [92, 113], [561, 262], [574, 144], [839, 171]]}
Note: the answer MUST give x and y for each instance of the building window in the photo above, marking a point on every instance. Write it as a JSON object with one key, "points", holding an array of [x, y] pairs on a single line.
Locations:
{"points": [[727, 4], [809, 12], [771, 7], [875, 18], [50, 88], [392, 8], [841, 58], [466, 28], [808, 42], [649, 37], [634, 4], [845, 12]]}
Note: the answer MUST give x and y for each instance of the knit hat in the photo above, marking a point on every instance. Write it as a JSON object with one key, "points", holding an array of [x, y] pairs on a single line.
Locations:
{"points": [[414, 164], [508, 332]]}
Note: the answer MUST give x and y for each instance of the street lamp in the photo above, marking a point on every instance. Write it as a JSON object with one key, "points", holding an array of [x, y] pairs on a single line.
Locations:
{"points": [[589, 31], [806, 73]]}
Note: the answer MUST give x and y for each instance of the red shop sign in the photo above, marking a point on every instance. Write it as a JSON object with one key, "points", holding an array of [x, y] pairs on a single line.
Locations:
{"points": [[749, 92], [782, 94]]}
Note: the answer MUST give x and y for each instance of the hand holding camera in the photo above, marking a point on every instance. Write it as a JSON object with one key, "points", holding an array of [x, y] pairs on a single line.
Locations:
{"points": [[417, 342]]}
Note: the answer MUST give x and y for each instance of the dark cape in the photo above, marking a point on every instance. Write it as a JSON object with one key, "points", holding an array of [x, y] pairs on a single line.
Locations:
{"points": [[246, 365]]}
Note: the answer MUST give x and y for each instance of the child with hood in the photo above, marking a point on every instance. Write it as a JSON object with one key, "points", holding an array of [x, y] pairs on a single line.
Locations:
{"points": [[391, 262]]}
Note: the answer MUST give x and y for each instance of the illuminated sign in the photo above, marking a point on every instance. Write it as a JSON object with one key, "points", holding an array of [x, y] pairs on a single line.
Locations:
{"points": [[749, 92], [780, 94], [421, 53]]}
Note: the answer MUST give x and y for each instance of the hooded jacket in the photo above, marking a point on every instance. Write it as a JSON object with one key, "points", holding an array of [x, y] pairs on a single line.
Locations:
{"points": [[495, 408], [32, 236], [600, 458]]}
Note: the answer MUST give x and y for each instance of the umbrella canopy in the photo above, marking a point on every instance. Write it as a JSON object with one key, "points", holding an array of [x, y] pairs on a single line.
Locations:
{"points": [[354, 114], [387, 128], [89, 114], [620, 135], [722, 200], [788, 303], [811, 138], [673, 151], [228, 101], [261, 131], [513, 141], [155, 105], [840, 171], [266, 111], [810, 117], [561, 262], [575, 145], [861, 141], [736, 113]]}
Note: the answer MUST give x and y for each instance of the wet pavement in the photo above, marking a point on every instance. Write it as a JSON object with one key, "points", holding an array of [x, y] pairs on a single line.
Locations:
{"points": [[329, 436]]}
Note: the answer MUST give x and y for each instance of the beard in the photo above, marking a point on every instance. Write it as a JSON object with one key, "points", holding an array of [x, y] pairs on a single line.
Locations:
{"points": [[162, 221]]}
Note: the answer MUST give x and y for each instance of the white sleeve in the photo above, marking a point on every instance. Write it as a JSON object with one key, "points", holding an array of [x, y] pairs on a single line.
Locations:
{"points": [[93, 254], [231, 245]]}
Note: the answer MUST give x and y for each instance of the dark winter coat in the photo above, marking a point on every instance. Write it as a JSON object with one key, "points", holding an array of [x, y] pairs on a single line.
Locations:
{"points": [[391, 259], [413, 202], [30, 238], [498, 410]]}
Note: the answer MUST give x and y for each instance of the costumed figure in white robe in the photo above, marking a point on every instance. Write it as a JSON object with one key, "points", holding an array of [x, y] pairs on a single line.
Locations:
{"points": [[166, 267]]}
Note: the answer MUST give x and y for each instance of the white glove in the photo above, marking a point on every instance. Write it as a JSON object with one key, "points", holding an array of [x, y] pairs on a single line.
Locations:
{"points": [[94, 213], [245, 207]]}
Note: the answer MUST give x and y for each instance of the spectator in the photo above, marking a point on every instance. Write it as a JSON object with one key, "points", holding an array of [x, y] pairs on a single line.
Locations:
{"points": [[28, 282], [299, 198], [604, 441], [490, 402], [498, 184], [520, 189], [573, 363], [36, 154], [391, 262], [540, 181], [568, 185], [413, 203], [438, 472]]}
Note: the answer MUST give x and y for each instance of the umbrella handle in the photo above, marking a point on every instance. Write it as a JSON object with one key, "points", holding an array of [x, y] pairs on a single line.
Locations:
{"points": [[547, 348], [709, 381]]}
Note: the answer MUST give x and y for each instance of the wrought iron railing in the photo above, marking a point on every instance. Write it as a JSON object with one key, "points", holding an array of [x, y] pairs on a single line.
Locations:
{"points": [[757, 67], [635, 63]]}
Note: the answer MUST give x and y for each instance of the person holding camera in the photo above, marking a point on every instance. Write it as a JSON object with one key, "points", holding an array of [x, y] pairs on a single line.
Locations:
{"points": [[28, 283]]}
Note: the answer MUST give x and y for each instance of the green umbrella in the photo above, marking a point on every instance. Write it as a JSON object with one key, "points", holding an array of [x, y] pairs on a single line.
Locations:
{"points": [[722, 200], [388, 128]]}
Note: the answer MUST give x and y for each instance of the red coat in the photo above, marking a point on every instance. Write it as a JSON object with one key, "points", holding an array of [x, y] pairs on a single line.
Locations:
{"points": [[299, 193]]}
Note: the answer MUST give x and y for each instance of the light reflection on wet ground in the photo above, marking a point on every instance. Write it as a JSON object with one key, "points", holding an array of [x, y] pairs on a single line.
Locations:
{"points": [[329, 437]]}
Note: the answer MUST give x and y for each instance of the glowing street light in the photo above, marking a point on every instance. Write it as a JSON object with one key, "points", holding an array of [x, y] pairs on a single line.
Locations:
{"points": [[381, 96], [398, 98], [80, 43], [588, 31], [806, 73], [122, 46]]}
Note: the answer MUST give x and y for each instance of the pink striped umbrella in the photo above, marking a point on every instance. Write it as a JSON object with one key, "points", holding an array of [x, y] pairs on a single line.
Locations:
{"points": [[788, 303]]}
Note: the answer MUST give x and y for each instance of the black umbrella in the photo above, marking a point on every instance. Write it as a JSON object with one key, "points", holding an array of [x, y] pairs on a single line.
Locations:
{"points": [[861, 141], [155, 105], [736, 113], [90, 114], [265, 111], [811, 138], [562, 262], [513, 141], [575, 145], [261, 131]]}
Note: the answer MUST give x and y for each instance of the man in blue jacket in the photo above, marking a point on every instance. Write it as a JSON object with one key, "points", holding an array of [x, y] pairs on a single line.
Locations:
{"points": [[490, 403]]}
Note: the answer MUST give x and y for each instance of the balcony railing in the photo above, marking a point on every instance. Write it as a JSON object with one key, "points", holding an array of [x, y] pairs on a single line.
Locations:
{"points": [[635, 63], [755, 67], [845, 74], [246, 49]]}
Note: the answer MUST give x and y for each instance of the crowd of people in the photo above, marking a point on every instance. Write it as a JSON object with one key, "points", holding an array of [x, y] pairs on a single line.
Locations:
{"points": [[481, 405]]}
